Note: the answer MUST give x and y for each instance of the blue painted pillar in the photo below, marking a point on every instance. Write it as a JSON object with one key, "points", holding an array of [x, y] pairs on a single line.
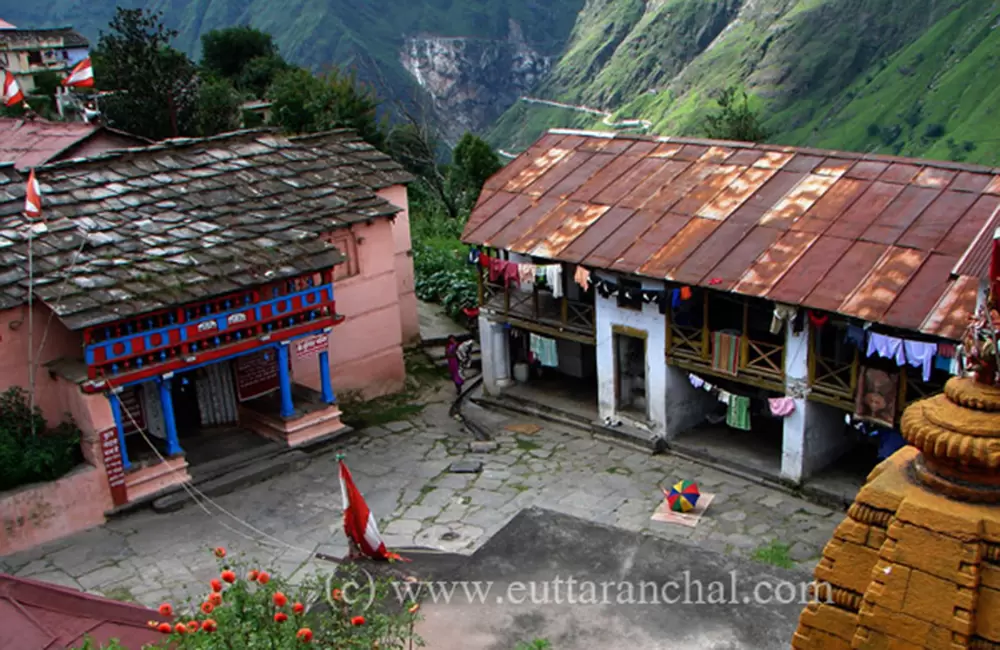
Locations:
{"points": [[285, 382], [167, 404], [116, 413], [324, 378]]}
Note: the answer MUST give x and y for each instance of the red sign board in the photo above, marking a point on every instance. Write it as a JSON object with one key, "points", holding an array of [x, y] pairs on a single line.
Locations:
{"points": [[133, 417], [311, 346], [256, 374], [112, 454]]}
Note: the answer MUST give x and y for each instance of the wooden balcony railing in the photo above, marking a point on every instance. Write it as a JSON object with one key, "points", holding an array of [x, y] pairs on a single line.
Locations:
{"points": [[570, 319], [833, 382]]}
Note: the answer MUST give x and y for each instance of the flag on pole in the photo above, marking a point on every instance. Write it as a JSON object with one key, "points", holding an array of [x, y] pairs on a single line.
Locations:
{"points": [[33, 197], [81, 76], [12, 94], [359, 522]]}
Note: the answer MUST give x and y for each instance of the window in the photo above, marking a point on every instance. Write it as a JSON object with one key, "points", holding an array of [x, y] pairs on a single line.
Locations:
{"points": [[346, 243], [34, 58], [630, 294]]}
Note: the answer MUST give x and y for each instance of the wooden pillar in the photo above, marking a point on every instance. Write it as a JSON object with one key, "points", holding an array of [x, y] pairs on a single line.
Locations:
{"points": [[706, 352]]}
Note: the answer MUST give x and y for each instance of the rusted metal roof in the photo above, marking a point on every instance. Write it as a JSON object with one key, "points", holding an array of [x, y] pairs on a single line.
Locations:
{"points": [[880, 238], [42, 616], [30, 143]]}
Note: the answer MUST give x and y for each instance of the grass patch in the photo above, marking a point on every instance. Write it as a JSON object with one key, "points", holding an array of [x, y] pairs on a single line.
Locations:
{"points": [[121, 594], [520, 487], [774, 553], [623, 471], [361, 414], [527, 445]]}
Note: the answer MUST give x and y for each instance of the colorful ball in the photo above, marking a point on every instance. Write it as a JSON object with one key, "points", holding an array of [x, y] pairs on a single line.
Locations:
{"points": [[683, 496]]}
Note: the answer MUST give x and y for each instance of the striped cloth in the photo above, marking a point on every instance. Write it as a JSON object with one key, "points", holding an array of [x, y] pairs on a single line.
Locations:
{"points": [[725, 352], [738, 413]]}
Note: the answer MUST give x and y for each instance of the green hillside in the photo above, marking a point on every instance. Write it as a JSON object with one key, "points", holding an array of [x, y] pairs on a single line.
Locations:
{"points": [[317, 33], [910, 77]]}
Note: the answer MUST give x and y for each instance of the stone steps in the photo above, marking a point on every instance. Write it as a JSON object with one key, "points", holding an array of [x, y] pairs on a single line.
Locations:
{"points": [[233, 479]]}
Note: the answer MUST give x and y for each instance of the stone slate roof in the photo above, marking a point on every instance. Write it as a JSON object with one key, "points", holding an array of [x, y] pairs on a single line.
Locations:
{"points": [[135, 230], [25, 38]]}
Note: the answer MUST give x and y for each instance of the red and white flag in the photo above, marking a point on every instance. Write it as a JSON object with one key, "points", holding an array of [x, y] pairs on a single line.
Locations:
{"points": [[359, 522], [33, 197], [12, 94], [81, 76]]}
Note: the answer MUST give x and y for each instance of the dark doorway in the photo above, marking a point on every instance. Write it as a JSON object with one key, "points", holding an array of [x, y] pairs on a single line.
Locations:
{"points": [[187, 413], [630, 371]]}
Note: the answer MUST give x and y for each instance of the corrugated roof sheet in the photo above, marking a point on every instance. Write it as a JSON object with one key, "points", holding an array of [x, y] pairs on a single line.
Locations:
{"points": [[136, 230], [975, 262], [871, 237], [31, 143], [42, 616]]}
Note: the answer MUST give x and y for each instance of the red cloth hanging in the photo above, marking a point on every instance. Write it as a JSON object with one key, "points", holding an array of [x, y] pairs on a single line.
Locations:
{"points": [[818, 320]]}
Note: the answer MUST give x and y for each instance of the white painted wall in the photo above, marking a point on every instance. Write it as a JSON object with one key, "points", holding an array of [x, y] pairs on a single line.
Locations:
{"points": [[814, 435], [653, 323]]}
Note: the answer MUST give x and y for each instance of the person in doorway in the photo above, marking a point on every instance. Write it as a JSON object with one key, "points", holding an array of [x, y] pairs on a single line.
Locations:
{"points": [[451, 354]]}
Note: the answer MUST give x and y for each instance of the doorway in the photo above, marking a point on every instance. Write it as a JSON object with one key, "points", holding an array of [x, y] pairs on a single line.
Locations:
{"points": [[630, 375], [187, 412]]}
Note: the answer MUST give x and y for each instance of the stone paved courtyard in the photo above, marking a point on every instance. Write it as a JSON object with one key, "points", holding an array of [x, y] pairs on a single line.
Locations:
{"points": [[401, 468]]}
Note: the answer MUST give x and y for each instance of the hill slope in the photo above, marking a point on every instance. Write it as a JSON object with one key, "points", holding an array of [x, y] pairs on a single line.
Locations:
{"points": [[912, 77], [368, 33]]}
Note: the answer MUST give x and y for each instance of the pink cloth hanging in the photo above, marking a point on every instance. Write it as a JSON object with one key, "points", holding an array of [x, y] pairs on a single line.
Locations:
{"points": [[781, 406]]}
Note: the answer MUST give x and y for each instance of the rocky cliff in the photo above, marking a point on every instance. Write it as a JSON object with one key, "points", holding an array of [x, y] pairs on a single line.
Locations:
{"points": [[471, 81]]}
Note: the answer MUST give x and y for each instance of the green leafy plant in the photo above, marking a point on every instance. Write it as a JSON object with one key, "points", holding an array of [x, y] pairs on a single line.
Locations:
{"points": [[774, 553], [537, 644], [29, 450], [248, 607]]}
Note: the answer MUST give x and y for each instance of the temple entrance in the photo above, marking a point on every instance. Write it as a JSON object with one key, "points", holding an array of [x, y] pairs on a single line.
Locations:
{"points": [[187, 413]]}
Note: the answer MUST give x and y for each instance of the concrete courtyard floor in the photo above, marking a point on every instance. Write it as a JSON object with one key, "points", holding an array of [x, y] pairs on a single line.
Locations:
{"points": [[402, 470]]}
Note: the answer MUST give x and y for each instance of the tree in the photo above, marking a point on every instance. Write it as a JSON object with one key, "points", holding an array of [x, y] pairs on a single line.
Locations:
{"points": [[473, 161], [259, 73], [219, 107], [302, 103], [154, 87], [226, 52], [735, 120]]}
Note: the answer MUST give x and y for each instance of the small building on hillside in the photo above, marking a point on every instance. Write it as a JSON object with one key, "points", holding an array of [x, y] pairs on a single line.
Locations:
{"points": [[29, 52], [197, 286], [767, 307], [30, 143]]}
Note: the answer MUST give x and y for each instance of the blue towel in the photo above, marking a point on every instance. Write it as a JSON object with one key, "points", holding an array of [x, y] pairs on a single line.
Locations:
{"points": [[544, 350]]}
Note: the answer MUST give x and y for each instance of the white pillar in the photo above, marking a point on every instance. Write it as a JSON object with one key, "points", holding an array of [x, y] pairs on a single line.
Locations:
{"points": [[814, 434], [494, 344]]}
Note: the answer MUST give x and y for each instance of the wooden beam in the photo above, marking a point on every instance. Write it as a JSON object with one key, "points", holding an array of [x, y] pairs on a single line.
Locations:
{"points": [[705, 352], [553, 332], [745, 337]]}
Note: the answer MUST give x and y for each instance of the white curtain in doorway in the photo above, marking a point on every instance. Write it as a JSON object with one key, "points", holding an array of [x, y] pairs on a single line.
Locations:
{"points": [[151, 406], [216, 395]]}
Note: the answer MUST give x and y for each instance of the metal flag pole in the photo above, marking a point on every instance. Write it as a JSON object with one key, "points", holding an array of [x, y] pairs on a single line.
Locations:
{"points": [[31, 329]]}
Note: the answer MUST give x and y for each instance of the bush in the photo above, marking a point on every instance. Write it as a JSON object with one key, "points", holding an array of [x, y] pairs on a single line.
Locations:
{"points": [[29, 454], [439, 257], [246, 607], [934, 131]]}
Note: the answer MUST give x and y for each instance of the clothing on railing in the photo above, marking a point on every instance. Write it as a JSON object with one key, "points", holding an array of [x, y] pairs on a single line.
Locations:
{"points": [[738, 413], [781, 406], [855, 336], [919, 355], [877, 394], [885, 346], [526, 274], [553, 278], [725, 352]]}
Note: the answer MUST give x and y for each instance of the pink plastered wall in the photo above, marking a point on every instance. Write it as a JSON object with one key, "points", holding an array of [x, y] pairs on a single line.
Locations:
{"points": [[404, 263], [366, 350]]}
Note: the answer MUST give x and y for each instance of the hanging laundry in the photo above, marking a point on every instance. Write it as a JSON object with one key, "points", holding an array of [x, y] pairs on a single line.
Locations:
{"points": [[553, 278], [943, 363], [946, 350], [511, 275], [884, 346], [919, 355], [473, 256], [544, 350], [723, 396], [817, 319], [781, 314], [708, 387], [582, 278], [876, 396], [526, 274], [781, 406], [855, 336], [738, 413], [484, 260], [497, 267], [726, 352], [799, 322], [685, 293], [696, 381]]}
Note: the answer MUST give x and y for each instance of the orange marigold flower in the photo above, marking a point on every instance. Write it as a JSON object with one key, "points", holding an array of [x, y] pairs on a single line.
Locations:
{"points": [[164, 628], [192, 626], [337, 594], [180, 628], [252, 576], [216, 585], [280, 617], [280, 600], [152, 624], [215, 598], [166, 610], [209, 625], [298, 608], [220, 552], [305, 635], [263, 577], [414, 607], [358, 620], [207, 607], [229, 576]]}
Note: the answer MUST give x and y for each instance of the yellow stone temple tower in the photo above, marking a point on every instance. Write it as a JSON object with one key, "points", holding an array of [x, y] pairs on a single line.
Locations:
{"points": [[916, 563]]}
